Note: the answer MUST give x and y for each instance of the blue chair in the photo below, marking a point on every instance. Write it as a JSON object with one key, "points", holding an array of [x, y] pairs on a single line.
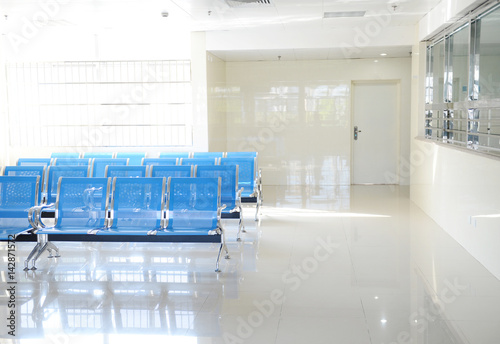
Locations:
{"points": [[194, 208], [102, 155], [241, 155], [71, 162], [208, 155], [178, 155], [171, 171], [56, 172], [17, 196], [247, 179], [34, 162], [199, 161], [133, 158], [80, 209], [99, 165], [70, 155], [137, 206], [159, 161], [126, 171], [230, 195], [25, 171]]}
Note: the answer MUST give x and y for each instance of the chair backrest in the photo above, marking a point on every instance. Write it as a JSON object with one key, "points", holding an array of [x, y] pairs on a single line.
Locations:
{"points": [[193, 203], [138, 203], [99, 165], [241, 154], [56, 172], [82, 202], [199, 161], [229, 179], [175, 155], [71, 162], [159, 161], [67, 155], [26, 171], [246, 171], [133, 158], [33, 162], [18, 195], [93, 155], [208, 155], [126, 171], [171, 171]]}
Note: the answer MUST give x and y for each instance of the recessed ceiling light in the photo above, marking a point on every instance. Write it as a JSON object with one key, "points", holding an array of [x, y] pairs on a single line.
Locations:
{"points": [[383, 54], [383, 321], [344, 14]]}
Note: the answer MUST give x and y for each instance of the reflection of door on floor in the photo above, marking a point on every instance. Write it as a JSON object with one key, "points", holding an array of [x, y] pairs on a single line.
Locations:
{"points": [[375, 108]]}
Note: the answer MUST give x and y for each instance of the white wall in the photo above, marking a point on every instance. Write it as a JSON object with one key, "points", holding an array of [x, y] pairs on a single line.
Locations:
{"points": [[297, 115], [216, 93], [458, 189]]}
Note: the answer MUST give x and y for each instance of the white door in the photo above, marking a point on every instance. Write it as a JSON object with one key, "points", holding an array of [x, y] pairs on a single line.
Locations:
{"points": [[376, 147]]}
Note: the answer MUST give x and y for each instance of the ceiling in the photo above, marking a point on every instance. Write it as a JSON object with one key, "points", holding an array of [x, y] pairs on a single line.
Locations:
{"points": [[292, 29]]}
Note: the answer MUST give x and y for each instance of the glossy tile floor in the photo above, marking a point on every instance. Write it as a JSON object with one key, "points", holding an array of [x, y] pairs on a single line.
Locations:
{"points": [[324, 265]]}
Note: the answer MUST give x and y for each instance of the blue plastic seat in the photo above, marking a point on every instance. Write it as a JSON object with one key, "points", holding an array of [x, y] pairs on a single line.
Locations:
{"points": [[248, 179], [193, 204], [194, 208], [133, 158], [241, 154], [126, 171], [102, 155], [17, 196], [25, 171], [199, 161], [230, 195], [99, 165], [178, 155], [208, 155], [246, 174], [80, 209], [159, 161], [171, 171], [34, 162], [71, 162], [56, 172], [137, 206], [66, 155]]}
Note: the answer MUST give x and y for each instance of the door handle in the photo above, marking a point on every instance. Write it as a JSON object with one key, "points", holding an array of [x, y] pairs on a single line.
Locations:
{"points": [[356, 131]]}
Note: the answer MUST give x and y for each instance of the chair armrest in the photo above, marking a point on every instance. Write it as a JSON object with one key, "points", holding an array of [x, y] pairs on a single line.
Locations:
{"points": [[34, 215], [219, 212]]}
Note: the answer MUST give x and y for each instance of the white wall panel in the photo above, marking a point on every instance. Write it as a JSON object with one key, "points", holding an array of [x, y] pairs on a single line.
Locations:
{"points": [[297, 115]]}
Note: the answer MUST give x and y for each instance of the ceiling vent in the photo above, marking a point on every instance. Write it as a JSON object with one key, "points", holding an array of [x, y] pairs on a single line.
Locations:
{"points": [[347, 14], [248, 3]]}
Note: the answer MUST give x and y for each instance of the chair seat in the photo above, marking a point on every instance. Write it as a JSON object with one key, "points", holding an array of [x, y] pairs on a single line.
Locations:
{"points": [[185, 231], [6, 232], [127, 231], [67, 230]]}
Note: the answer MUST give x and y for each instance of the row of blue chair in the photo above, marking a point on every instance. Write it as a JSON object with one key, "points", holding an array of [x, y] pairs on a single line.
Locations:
{"points": [[137, 156], [140, 210], [231, 193], [248, 179]]}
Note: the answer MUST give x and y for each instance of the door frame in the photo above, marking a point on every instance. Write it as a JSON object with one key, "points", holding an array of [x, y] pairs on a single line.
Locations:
{"points": [[397, 83]]}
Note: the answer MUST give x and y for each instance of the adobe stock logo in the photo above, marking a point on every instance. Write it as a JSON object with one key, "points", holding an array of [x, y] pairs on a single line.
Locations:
{"points": [[30, 27]]}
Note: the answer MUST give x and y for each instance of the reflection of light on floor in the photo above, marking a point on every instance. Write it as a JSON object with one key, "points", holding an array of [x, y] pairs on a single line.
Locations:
{"points": [[489, 216], [313, 213]]}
